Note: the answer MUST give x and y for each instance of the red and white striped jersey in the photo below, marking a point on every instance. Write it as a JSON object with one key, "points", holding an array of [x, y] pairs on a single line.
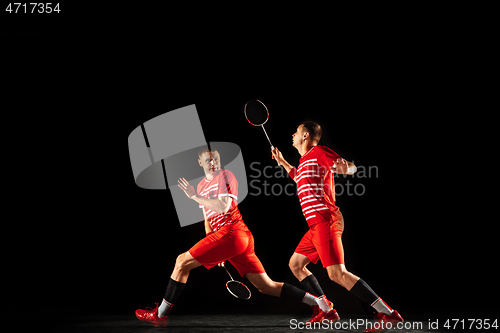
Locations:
{"points": [[316, 186], [222, 184]]}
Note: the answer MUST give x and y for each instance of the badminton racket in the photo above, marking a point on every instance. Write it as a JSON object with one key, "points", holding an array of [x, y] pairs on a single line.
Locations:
{"points": [[257, 114], [236, 288]]}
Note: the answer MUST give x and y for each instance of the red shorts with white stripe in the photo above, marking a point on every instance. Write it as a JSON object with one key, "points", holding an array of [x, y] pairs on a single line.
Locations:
{"points": [[233, 242], [323, 241]]}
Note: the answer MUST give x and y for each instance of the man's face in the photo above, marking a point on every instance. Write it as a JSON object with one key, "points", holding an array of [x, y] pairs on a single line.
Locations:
{"points": [[210, 161], [298, 137]]}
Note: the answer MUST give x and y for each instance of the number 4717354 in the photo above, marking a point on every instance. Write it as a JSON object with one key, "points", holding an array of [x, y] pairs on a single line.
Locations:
{"points": [[470, 324], [32, 7]]}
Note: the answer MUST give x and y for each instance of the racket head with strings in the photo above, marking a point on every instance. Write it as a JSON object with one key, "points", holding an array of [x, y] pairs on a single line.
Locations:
{"points": [[238, 289], [256, 112]]}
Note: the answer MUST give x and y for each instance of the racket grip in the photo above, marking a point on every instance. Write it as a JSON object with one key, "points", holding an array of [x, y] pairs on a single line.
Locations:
{"points": [[272, 148]]}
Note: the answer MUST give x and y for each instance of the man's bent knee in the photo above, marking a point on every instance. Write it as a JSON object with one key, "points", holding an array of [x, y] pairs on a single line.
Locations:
{"points": [[296, 264], [337, 274], [182, 261], [336, 277]]}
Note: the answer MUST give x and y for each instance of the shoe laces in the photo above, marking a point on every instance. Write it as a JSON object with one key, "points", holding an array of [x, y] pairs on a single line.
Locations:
{"points": [[148, 308]]}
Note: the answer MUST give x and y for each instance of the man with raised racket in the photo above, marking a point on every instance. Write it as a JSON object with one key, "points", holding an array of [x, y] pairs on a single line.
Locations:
{"points": [[227, 238], [316, 192]]}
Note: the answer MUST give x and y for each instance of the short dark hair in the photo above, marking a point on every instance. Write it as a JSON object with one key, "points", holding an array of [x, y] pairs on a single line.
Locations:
{"points": [[313, 128], [206, 149]]}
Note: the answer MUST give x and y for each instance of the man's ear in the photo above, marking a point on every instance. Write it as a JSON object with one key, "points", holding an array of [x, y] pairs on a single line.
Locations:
{"points": [[199, 162], [306, 135]]}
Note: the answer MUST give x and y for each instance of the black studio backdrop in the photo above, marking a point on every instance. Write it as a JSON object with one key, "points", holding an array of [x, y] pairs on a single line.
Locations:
{"points": [[396, 237], [107, 246]]}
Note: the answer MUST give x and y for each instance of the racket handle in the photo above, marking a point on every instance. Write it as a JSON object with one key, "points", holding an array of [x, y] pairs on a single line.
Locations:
{"points": [[272, 148], [228, 273]]}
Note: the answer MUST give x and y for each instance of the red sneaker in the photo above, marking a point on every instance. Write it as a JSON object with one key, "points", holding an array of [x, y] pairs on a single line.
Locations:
{"points": [[151, 316], [382, 319], [316, 309], [331, 316]]}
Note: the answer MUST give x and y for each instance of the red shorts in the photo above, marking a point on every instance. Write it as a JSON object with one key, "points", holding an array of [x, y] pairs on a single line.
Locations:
{"points": [[323, 241], [233, 242]]}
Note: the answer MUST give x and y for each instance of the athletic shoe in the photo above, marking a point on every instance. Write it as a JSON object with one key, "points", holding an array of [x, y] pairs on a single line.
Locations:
{"points": [[382, 320], [316, 309], [331, 316], [151, 316]]}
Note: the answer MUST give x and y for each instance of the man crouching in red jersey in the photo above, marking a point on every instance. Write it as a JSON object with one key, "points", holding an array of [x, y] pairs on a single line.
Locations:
{"points": [[227, 238], [316, 192]]}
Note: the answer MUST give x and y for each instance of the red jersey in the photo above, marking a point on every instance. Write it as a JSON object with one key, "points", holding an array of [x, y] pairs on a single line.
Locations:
{"points": [[316, 186], [223, 184]]}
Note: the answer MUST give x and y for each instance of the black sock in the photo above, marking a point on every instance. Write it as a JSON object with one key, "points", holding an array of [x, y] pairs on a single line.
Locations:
{"points": [[362, 290], [174, 289], [291, 292], [312, 286]]}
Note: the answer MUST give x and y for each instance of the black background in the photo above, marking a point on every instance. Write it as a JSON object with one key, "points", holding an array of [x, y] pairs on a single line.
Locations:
{"points": [[98, 244]]}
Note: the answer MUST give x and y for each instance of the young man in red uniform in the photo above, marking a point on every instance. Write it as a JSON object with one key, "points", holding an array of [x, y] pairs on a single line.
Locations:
{"points": [[228, 238], [316, 192]]}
